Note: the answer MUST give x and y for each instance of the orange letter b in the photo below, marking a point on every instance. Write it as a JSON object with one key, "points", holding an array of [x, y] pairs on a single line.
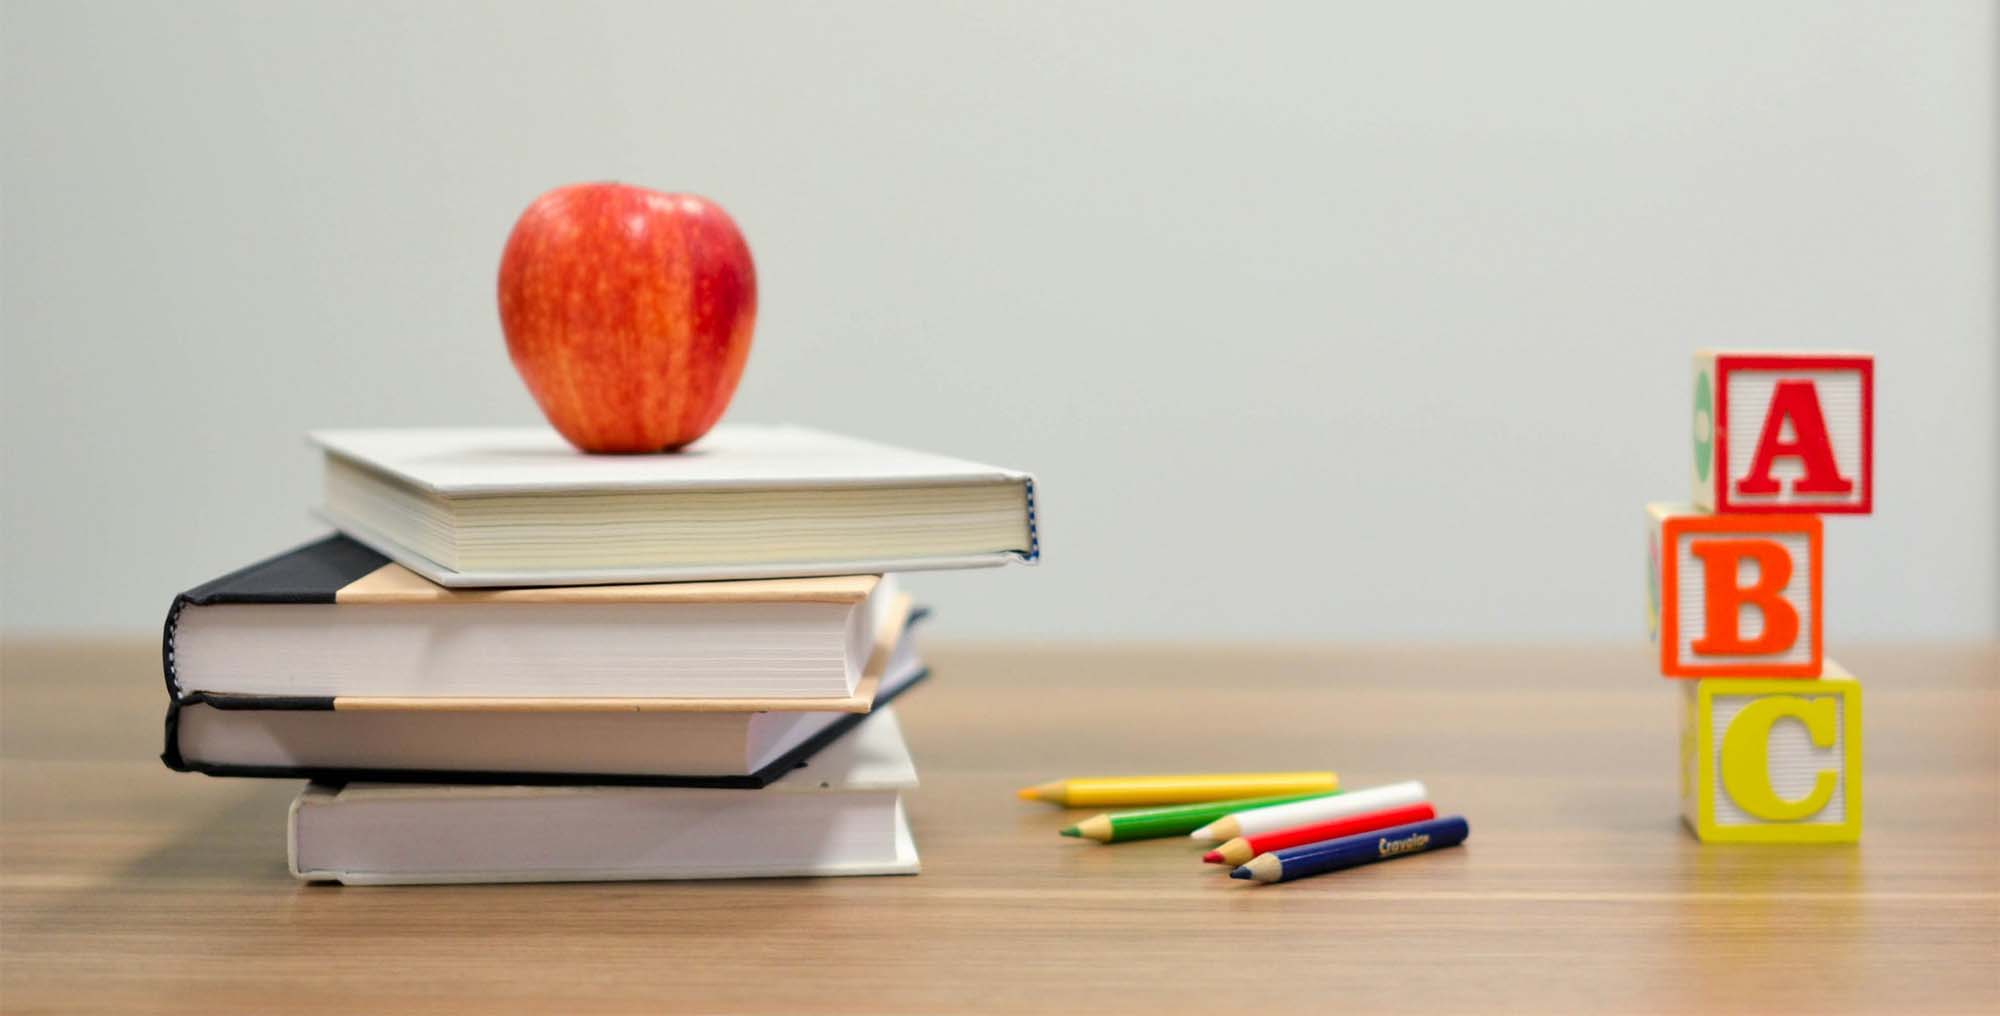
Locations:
{"points": [[1720, 561]]}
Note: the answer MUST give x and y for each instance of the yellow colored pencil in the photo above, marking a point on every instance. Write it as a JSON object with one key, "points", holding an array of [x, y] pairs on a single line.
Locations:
{"points": [[1123, 791]]}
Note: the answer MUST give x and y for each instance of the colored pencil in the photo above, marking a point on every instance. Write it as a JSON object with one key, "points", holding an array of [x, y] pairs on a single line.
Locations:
{"points": [[1326, 809], [1127, 791], [1351, 851], [1243, 848], [1175, 820]]}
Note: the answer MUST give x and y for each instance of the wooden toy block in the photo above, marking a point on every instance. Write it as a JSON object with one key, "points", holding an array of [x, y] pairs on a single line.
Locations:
{"points": [[1784, 432], [1772, 761], [1735, 595]]}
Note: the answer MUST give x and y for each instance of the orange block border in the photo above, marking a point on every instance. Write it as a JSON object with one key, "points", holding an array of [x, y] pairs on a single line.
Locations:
{"points": [[1670, 531]]}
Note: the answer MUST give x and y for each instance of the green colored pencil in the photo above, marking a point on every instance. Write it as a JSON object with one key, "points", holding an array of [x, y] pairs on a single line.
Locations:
{"points": [[1179, 820]]}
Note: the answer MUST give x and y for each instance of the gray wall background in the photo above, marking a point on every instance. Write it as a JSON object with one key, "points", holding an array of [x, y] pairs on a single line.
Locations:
{"points": [[1355, 321]]}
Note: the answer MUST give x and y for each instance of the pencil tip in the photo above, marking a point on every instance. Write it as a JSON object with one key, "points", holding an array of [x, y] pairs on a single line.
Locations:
{"points": [[1027, 794], [1199, 834], [1071, 831], [1213, 857], [1240, 872]]}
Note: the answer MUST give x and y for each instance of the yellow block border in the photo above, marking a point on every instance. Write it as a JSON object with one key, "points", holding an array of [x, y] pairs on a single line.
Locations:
{"points": [[1805, 831]]}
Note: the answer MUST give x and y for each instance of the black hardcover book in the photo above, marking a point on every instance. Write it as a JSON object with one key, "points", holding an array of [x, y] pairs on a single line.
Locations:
{"points": [[334, 613]]}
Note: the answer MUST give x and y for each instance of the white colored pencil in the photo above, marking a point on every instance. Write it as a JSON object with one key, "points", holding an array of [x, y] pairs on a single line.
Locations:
{"points": [[1258, 821]]}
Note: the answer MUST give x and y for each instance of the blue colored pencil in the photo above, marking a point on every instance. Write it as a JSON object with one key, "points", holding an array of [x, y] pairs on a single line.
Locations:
{"points": [[1350, 851]]}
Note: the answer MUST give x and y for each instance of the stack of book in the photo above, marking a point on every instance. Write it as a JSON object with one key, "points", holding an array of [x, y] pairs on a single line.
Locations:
{"points": [[521, 663]]}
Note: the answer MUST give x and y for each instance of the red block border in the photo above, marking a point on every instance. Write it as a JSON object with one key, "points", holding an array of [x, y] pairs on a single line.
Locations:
{"points": [[1725, 364]]}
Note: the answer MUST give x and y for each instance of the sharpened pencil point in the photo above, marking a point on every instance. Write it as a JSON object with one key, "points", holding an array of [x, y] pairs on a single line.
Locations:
{"points": [[1199, 834], [1071, 831], [1027, 794], [1241, 872], [1213, 857]]}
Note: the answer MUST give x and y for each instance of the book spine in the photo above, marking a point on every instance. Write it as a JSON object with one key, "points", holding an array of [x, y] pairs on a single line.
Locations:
{"points": [[1034, 525], [167, 647]]}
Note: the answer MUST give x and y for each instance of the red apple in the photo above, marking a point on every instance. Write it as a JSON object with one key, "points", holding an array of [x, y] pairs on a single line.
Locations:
{"points": [[628, 312]]}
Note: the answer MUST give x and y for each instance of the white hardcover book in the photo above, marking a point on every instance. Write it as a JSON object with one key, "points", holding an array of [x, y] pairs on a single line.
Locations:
{"points": [[839, 814], [519, 506]]}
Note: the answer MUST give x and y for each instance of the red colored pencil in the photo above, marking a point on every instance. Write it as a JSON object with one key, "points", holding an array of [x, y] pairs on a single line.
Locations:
{"points": [[1243, 848]]}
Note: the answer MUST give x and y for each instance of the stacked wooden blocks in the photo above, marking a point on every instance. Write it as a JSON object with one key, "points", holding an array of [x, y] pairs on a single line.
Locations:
{"points": [[1770, 728]]}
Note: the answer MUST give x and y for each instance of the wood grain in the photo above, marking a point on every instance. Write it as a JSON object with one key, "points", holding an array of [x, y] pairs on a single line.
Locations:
{"points": [[124, 886]]}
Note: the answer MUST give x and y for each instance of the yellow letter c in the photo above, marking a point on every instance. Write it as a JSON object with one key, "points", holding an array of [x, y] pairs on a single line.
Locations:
{"points": [[1746, 771]]}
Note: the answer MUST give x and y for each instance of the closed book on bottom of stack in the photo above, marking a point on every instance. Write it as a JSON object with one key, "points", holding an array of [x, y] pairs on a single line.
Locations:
{"points": [[841, 813]]}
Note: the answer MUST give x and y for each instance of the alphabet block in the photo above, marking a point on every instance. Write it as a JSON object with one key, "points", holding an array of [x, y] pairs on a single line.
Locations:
{"points": [[1735, 595], [1772, 761], [1784, 432]]}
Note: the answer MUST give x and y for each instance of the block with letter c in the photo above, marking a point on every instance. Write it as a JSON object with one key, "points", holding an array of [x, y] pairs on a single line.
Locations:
{"points": [[1735, 595], [1772, 761]]}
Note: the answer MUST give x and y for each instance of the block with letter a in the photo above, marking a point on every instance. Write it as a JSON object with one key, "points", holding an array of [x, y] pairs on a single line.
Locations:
{"points": [[1735, 595], [1772, 761], [1784, 432]]}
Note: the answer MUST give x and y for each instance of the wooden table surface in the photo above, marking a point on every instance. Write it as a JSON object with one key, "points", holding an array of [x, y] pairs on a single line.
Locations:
{"points": [[125, 886]]}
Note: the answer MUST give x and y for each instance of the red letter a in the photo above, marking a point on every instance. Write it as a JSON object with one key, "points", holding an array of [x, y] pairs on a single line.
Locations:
{"points": [[1797, 401]]}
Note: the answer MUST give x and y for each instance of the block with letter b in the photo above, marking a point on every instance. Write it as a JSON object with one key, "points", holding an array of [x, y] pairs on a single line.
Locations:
{"points": [[1784, 432], [1772, 761], [1735, 595]]}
